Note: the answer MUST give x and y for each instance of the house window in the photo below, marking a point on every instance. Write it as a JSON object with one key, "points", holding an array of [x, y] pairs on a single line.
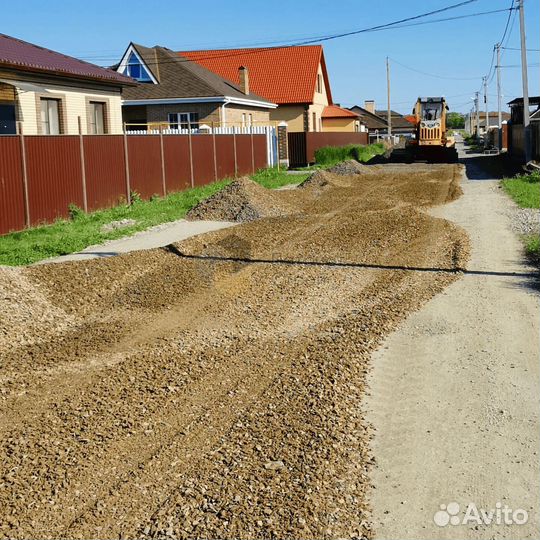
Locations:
{"points": [[250, 119], [135, 69], [314, 118], [243, 119], [97, 118], [50, 116], [183, 120], [319, 83]]}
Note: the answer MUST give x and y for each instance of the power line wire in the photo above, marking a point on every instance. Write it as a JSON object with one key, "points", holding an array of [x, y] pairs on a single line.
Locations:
{"points": [[401, 23]]}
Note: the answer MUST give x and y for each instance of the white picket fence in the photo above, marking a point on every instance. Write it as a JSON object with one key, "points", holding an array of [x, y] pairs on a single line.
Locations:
{"points": [[269, 131]]}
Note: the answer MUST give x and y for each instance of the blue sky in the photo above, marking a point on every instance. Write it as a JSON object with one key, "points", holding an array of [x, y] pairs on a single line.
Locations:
{"points": [[459, 50]]}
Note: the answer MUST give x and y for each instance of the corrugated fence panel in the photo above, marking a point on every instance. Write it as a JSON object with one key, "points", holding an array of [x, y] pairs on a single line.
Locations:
{"points": [[54, 176], [225, 156], [11, 185], [203, 159], [177, 169], [260, 151], [144, 155], [243, 154], [105, 170]]}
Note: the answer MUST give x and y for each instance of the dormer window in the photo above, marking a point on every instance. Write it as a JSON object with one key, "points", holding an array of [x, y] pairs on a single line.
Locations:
{"points": [[136, 70]]}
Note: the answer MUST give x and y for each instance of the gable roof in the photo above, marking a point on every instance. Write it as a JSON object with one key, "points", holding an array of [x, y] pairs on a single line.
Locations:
{"points": [[398, 120], [281, 74], [334, 111], [21, 55], [372, 121], [178, 77]]}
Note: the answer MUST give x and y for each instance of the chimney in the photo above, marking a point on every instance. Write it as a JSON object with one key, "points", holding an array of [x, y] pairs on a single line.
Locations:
{"points": [[244, 79], [369, 105]]}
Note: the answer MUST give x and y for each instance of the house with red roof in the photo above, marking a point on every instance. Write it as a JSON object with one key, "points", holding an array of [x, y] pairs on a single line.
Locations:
{"points": [[175, 92], [336, 118], [295, 78], [50, 93]]}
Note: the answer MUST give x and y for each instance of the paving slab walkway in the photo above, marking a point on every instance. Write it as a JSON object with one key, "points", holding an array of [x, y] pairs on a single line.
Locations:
{"points": [[158, 236]]}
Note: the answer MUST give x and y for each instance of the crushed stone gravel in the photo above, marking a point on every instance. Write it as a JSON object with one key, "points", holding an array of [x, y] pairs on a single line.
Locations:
{"points": [[167, 394], [242, 200]]}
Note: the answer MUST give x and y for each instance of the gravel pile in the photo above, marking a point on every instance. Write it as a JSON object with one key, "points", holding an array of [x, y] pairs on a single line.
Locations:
{"points": [[190, 398], [525, 220], [242, 200], [349, 167]]}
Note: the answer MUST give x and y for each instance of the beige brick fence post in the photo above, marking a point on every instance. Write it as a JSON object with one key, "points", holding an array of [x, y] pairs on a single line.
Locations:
{"points": [[283, 145]]}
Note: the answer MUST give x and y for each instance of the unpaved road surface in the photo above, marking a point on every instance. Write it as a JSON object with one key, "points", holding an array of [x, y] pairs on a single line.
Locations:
{"points": [[187, 392], [455, 392]]}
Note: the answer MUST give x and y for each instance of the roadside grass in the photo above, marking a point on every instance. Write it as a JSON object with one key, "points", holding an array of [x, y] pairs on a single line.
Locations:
{"points": [[525, 191], [71, 235], [331, 155]]}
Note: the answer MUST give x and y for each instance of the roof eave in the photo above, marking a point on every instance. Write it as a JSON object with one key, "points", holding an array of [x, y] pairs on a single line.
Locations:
{"points": [[67, 74]]}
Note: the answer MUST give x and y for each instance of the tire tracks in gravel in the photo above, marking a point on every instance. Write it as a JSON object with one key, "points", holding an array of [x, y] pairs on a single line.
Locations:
{"points": [[91, 444]]}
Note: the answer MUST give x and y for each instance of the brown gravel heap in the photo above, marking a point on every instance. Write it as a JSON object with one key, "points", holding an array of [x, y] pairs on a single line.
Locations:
{"points": [[351, 166], [154, 395], [242, 200]]}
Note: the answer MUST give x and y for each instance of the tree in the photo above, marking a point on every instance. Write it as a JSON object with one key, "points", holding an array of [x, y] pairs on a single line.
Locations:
{"points": [[455, 120]]}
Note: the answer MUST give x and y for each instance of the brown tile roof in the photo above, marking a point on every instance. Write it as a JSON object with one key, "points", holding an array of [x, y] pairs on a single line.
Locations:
{"points": [[281, 74], [180, 78], [372, 121], [334, 111], [18, 54], [398, 120]]}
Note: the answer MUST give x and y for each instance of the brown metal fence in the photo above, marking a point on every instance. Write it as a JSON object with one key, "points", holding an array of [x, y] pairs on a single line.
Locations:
{"points": [[40, 176], [302, 146]]}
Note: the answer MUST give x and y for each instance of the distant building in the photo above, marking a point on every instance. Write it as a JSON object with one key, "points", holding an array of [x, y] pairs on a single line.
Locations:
{"points": [[470, 121]]}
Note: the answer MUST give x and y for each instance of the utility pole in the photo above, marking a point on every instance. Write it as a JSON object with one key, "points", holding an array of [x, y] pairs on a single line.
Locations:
{"points": [[477, 114], [487, 111], [499, 96], [389, 114], [525, 82]]}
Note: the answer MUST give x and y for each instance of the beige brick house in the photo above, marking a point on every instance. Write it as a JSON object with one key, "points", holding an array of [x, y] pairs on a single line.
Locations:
{"points": [[49, 93], [175, 92], [293, 77]]}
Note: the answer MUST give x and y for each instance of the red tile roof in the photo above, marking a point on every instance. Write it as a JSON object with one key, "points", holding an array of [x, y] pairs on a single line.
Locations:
{"points": [[280, 74], [333, 111], [20, 54]]}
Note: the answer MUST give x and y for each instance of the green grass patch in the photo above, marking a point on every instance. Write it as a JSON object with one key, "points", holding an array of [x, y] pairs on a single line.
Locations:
{"points": [[82, 230], [524, 189], [331, 155], [273, 178], [532, 247]]}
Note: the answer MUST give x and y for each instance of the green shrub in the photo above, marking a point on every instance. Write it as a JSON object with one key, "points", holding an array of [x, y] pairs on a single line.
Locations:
{"points": [[330, 155]]}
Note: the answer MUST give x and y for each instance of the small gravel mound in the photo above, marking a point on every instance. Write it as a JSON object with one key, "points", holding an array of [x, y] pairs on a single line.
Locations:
{"points": [[351, 166], [525, 220], [319, 179], [242, 200]]}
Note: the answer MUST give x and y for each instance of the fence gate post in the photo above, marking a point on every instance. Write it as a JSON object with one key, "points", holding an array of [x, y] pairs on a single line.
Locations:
{"points": [[234, 148], [126, 159], [83, 165], [252, 151], [283, 146], [190, 155], [24, 174], [162, 152], [215, 152]]}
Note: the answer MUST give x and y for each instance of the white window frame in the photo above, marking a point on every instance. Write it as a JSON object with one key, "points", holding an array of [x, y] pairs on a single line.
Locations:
{"points": [[46, 127]]}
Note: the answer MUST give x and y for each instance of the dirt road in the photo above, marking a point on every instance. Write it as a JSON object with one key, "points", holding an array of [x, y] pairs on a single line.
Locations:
{"points": [[455, 392], [187, 392]]}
